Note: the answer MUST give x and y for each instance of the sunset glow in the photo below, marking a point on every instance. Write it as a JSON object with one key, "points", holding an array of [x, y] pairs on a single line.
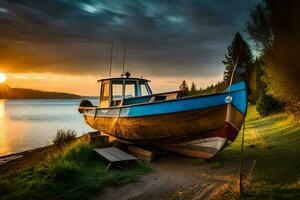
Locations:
{"points": [[2, 77], [69, 53]]}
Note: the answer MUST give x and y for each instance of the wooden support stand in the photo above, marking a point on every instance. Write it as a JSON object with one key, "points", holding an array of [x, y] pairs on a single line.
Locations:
{"points": [[147, 154], [141, 153], [97, 140]]}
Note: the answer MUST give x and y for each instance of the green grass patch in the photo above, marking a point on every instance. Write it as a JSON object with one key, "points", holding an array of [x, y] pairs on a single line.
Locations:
{"points": [[274, 143], [64, 137], [74, 173]]}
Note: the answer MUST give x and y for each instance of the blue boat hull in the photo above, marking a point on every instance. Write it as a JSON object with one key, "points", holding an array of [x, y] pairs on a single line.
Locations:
{"points": [[198, 126]]}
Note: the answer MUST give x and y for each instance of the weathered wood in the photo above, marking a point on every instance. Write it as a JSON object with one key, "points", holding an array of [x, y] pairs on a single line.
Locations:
{"points": [[121, 154], [107, 155], [97, 140], [163, 129], [114, 155], [141, 153]]}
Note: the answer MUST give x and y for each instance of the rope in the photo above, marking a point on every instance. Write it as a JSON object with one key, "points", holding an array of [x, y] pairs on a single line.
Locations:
{"points": [[233, 72]]}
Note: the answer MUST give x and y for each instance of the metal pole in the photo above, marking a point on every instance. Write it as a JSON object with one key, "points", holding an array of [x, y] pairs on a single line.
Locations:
{"points": [[241, 161], [111, 56], [124, 52]]}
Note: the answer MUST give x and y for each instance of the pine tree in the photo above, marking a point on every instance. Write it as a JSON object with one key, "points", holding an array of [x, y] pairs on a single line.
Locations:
{"points": [[184, 88], [193, 90], [241, 50]]}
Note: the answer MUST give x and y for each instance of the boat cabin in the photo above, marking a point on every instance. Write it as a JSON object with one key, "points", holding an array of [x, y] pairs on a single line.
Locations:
{"points": [[127, 91]]}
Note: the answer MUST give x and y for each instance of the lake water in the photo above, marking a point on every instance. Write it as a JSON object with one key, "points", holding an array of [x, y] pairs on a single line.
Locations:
{"points": [[28, 124]]}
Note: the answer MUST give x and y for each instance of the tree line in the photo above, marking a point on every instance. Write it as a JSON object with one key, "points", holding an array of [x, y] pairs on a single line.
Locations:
{"points": [[273, 77], [7, 92]]}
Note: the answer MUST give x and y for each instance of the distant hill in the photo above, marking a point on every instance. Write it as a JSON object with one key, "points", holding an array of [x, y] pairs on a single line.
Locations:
{"points": [[7, 92]]}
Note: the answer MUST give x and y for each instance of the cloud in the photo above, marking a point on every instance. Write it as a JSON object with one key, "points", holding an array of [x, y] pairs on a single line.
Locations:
{"points": [[165, 38]]}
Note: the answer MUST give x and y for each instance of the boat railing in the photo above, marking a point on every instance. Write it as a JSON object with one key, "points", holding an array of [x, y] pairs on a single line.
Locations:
{"points": [[152, 98]]}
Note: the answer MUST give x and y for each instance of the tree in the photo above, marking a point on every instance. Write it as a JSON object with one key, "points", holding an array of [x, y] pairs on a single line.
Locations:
{"points": [[275, 27], [184, 88], [256, 83], [267, 105], [259, 29], [219, 87], [193, 90], [238, 49]]}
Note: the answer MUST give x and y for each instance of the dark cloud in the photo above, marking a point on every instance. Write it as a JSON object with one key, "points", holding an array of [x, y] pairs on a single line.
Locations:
{"points": [[166, 38]]}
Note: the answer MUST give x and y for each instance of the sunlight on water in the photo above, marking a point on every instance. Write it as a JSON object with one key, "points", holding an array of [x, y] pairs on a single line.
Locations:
{"points": [[28, 124], [4, 146], [2, 111]]}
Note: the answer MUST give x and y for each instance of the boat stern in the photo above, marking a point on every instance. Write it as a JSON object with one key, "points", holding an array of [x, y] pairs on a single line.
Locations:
{"points": [[236, 110]]}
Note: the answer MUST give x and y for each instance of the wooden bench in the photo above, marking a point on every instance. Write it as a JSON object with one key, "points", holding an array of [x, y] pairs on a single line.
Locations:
{"points": [[115, 156]]}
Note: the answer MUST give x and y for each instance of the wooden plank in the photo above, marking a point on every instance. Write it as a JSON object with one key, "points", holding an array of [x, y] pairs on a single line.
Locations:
{"points": [[121, 154], [113, 154], [141, 153], [108, 156]]}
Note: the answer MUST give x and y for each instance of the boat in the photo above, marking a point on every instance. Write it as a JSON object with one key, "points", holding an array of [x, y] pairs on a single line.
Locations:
{"points": [[197, 126]]}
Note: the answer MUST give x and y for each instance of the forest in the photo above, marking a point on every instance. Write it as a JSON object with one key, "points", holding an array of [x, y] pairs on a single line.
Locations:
{"points": [[273, 75]]}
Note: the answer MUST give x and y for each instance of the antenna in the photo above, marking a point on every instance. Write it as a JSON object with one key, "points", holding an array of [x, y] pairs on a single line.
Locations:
{"points": [[124, 52], [111, 56]]}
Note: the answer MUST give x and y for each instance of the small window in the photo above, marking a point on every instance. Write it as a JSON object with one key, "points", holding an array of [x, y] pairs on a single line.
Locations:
{"points": [[117, 90], [130, 90], [105, 92], [144, 91]]}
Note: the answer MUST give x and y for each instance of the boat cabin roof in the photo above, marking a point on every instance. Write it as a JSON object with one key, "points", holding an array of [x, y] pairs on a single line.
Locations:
{"points": [[123, 78]]}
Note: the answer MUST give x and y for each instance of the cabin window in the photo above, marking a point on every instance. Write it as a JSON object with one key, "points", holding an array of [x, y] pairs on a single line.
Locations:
{"points": [[117, 90], [104, 95], [130, 90], [144, 90], [105, 92]]}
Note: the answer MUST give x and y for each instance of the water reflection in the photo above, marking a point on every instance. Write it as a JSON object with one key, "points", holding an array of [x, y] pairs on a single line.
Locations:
{"points": [[2, 111], [4, 144], [27, 124]]}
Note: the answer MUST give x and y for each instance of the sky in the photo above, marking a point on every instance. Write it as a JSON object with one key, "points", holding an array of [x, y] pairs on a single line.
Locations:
{"points": [[65, 45]]}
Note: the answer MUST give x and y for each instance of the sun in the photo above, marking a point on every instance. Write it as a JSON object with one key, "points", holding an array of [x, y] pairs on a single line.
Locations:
{"points": [[2, 77]]}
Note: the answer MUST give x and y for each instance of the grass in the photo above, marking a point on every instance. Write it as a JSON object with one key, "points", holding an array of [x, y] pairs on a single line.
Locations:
{"points": [[273, 143], [64, 137], [72, 173]]}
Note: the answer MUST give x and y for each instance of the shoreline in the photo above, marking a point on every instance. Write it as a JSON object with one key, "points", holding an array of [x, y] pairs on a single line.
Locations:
{"points": [[16, 161], [30, 150], [24, 152]]}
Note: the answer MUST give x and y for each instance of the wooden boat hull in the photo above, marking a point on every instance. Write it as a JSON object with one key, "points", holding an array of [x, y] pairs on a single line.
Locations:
{"points": [[197, 126]]}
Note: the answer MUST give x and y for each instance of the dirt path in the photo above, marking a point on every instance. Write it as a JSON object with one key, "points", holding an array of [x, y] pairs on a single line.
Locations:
{"points": [[176, 177]]}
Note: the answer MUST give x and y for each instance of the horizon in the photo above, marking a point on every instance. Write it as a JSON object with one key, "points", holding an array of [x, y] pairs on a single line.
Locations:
{"points": [[65, 46]]}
